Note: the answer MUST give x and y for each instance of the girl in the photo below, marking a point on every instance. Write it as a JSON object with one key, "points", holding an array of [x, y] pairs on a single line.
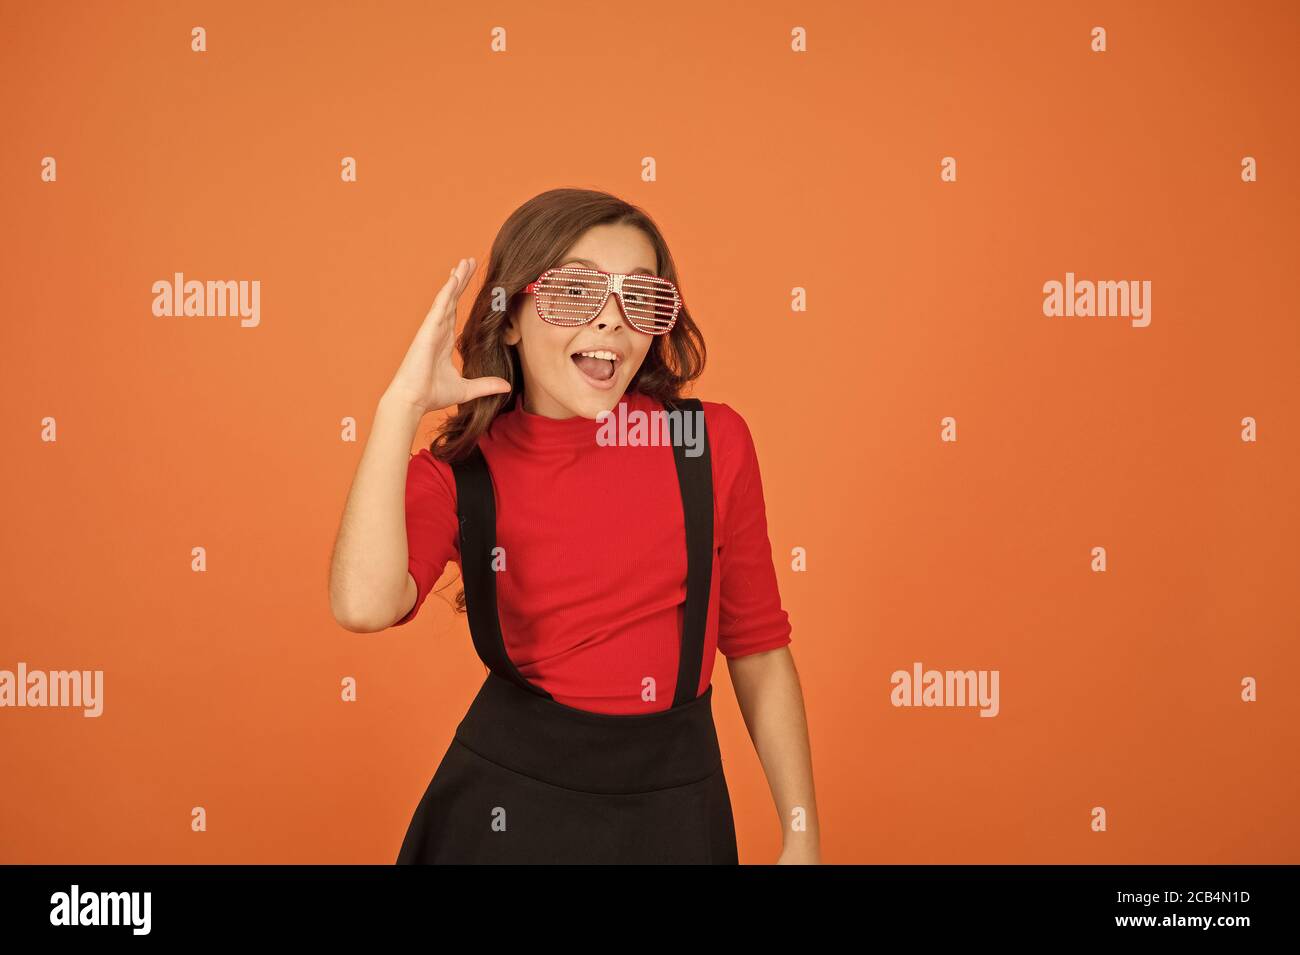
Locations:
{"points": [[604, 564]]}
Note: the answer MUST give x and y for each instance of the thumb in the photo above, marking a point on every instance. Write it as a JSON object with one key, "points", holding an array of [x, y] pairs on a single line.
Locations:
{"points": [[480, 387]]}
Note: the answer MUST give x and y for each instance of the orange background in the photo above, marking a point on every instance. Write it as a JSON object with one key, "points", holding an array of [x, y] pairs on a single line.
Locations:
{"points": [[775, 170]]}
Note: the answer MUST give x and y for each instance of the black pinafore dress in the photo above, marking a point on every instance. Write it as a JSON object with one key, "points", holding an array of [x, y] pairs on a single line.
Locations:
{"points": [[529, 780]]}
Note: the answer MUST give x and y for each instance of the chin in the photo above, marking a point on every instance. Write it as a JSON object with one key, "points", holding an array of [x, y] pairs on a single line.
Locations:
{"points": [[591, 405]]}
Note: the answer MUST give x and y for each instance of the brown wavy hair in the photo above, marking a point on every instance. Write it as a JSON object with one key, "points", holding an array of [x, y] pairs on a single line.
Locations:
{"points": [[533, 239]]}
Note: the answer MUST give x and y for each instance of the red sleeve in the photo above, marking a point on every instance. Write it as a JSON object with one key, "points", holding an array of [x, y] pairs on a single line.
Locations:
{"points": [[750, 617], [432, 527]]}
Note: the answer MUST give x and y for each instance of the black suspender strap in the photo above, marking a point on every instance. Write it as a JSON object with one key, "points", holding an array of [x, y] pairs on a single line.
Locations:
{"points": [[695, 477], [476, 508]]}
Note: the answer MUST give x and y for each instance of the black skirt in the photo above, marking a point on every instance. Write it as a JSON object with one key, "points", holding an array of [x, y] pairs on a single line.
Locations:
{"points": [[529, 780]]}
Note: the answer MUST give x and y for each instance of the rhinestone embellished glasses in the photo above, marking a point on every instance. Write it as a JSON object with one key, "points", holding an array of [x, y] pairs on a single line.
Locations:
{"points": [[574, 296]]}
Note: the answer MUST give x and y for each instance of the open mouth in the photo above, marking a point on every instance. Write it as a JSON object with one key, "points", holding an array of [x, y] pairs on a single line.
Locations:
{"points": [[599, 365]]}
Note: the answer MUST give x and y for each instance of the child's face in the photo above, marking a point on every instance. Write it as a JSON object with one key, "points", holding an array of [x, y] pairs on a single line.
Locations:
{"points": [[557, 386]]}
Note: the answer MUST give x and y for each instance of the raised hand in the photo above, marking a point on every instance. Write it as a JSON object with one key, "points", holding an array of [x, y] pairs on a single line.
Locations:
{"points": [[427, 378]]}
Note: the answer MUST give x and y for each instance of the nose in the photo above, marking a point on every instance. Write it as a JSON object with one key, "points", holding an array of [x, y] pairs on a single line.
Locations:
{"points": [[611, 316]]}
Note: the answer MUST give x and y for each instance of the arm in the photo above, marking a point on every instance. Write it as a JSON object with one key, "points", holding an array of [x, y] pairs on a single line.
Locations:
{"points": [[754, 635], [771, 701], [371, 586]]}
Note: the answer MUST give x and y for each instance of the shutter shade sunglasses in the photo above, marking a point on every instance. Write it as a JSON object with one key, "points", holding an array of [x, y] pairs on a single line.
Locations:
{"points": [[574, 296]]}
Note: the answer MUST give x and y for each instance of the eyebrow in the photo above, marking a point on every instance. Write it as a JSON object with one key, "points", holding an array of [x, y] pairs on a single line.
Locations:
{"points": [[591, 264]]}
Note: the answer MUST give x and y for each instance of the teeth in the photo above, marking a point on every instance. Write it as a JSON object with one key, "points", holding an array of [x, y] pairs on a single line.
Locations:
{"points": [[607, 355]]}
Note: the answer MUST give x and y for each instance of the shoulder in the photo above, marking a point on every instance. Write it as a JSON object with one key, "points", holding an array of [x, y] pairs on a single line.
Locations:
{"points": [[426, 473], [731, 447], [735, 464], [729, 433]]}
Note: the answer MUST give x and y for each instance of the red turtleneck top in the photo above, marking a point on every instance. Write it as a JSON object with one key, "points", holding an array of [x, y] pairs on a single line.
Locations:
{"points": [[591, 598]]}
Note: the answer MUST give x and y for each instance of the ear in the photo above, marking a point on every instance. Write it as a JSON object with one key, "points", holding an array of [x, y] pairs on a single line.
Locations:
{"points": [[512, 334]]}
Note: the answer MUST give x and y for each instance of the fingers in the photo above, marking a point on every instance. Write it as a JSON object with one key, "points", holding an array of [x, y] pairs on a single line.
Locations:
{"points": [[460, 276], [462, 272], [440, 300], [444, 303]]}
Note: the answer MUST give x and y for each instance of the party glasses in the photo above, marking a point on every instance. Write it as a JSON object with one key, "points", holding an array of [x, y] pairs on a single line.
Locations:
{"points": [[574, 296]]}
